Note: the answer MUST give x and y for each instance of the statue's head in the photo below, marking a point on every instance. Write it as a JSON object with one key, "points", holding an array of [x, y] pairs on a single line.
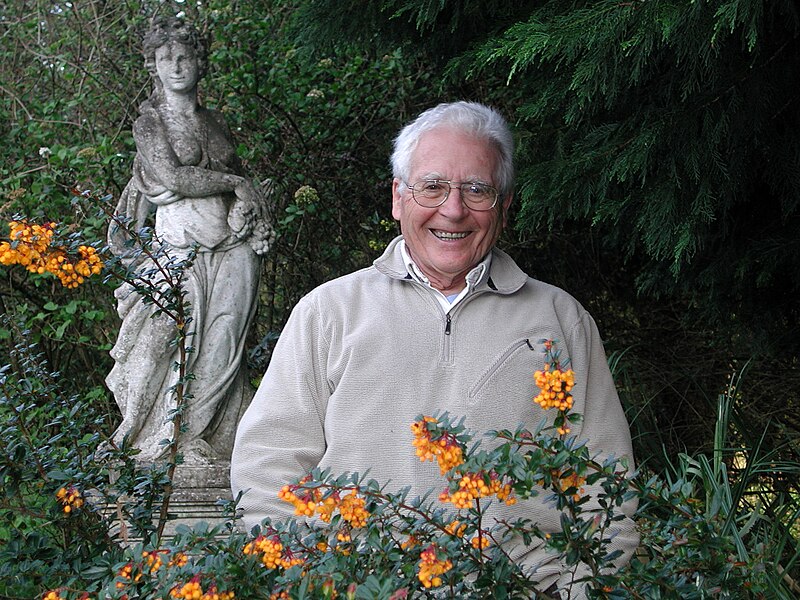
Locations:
{"points": [[166, 30]]}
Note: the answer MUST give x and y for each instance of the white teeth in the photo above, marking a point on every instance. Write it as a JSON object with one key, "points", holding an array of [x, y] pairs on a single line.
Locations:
{"points": [[445, 235]]}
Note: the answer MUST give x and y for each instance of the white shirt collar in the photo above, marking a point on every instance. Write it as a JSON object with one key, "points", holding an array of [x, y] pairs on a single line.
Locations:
{"points": [[473, 278]]}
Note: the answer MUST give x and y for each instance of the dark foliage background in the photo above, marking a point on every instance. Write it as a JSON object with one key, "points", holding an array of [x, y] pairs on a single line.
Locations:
{"points": [[658, 157]]}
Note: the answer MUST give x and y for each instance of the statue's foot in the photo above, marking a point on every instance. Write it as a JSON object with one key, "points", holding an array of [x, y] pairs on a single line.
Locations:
{"points": [[124, 429], [198, 453]]}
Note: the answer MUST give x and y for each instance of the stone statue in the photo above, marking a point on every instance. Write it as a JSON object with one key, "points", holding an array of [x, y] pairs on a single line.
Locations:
{"points": [[186, 171]]}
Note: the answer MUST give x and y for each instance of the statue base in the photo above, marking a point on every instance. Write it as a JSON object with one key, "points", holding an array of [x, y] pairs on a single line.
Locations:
{"points": [[199, 495]]}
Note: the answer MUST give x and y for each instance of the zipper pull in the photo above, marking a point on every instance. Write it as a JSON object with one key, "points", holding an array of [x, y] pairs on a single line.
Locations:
{"points": [[447, 325]]}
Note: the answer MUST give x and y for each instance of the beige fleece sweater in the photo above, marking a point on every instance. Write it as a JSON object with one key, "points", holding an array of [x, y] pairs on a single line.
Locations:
{"points": [[361, 356]]}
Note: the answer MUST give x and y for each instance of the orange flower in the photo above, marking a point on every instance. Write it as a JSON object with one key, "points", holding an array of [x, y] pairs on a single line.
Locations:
{"points": [[70, 498], [564, 482], [431, 567], [30, 245], [445, 449], [555, 387], [352, 510], [272, 553], [472, 486]]}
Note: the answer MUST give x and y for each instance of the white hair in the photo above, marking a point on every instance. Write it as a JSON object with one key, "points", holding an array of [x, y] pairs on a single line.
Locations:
{"points": [[472, 118]]}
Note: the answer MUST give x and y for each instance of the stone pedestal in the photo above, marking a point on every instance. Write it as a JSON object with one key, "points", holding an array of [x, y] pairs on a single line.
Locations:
{"points": [[199, 494], [196, 495]]}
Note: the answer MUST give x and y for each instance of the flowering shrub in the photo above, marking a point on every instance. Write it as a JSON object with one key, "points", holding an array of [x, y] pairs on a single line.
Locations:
{"points": [[351, 538], [70, 497], [32, 246], [364, 542]]}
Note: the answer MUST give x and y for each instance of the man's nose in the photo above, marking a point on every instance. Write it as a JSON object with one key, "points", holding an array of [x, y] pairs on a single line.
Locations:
{"points": [[454, 206]]}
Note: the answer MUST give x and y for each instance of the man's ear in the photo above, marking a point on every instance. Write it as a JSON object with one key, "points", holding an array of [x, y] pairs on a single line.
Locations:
{"points": [[397, 199], [505, 205]]}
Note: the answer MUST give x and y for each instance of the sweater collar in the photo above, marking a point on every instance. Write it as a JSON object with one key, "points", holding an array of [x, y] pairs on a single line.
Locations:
{"points": [[504, 277], [473, 278]]}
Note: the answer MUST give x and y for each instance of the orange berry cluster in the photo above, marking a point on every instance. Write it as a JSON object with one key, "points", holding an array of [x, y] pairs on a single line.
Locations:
{"points": [[154, 559], [472, 486], [307, 502], [479, 542], [431, 568], [343, 537], [72, 274], [445, 449], [179, 559], [126, 574], [570, 480], [56, 595], [555, 386], [70, 497], [29, 245], [193, 590], [272, 553], [352, 508], [456, 528]]}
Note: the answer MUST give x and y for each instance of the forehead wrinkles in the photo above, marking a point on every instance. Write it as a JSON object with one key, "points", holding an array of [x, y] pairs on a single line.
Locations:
{"points": [[440, 154]]}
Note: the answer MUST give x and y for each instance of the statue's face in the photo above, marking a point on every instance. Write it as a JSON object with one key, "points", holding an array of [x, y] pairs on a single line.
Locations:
{"points": [[176, 65]]}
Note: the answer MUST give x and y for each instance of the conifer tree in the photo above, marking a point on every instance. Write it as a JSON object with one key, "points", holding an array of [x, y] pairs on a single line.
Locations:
{"points": [[671, 127]]}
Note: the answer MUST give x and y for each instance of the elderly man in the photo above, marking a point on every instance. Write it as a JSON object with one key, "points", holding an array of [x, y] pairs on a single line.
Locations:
{"points": [[442, 321]]}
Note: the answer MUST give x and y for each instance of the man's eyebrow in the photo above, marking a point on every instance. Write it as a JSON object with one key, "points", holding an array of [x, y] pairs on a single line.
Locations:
{"points": [[434, 175]]}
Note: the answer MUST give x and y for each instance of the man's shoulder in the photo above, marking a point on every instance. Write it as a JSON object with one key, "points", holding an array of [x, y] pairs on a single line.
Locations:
{"points": [[347, 285], [508, 276], [542, 287], [355, 295], [540, 296]]}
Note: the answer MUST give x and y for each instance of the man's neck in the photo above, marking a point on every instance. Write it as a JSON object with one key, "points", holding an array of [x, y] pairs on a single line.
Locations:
{"points": [[453, 293]]}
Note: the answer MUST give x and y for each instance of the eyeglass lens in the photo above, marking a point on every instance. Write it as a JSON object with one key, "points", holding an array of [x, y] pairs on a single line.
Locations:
{"points": [[433, 192]]}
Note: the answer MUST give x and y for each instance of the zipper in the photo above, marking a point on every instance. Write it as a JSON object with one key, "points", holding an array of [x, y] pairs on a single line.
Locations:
{"points": [[448, 325]]}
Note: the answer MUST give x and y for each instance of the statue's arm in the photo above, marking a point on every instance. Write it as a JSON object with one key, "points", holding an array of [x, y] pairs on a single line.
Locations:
{"points": [[219, 119], [181, 180]]}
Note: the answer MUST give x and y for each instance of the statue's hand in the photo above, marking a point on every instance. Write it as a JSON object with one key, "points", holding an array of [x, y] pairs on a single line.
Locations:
{"points": [[248, 218], [249, 195], [244, 211], [165, 197]]}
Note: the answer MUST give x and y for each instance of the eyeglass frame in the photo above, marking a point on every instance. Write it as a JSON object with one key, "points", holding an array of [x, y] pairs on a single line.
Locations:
{"points": [[450, 183]]}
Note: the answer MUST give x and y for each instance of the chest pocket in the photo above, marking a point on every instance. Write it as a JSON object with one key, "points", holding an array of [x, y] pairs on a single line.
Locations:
{"points": [[502, 396]]}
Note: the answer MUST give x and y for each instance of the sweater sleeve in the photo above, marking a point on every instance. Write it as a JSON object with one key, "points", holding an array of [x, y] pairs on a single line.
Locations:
{"points": [[281, 435], [605, 429]]}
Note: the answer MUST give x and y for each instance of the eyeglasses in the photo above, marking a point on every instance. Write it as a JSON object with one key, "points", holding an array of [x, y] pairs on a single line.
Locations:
{"points": [[431, 193]]}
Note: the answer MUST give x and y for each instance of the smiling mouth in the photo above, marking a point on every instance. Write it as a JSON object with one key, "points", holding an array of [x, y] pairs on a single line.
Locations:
{"points": [[448, 235]]}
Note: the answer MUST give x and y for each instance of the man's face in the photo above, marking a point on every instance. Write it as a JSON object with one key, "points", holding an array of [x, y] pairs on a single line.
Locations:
{"points": [[446, 242]]}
